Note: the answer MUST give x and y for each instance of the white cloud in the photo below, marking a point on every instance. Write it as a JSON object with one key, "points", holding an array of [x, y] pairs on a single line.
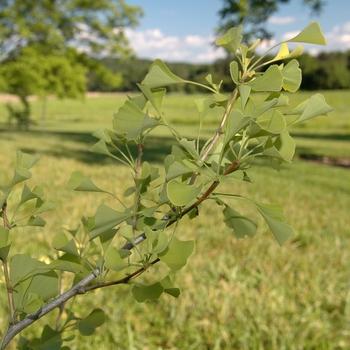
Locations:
{"points": [[152, 43], [346, 27], [281, 20]]}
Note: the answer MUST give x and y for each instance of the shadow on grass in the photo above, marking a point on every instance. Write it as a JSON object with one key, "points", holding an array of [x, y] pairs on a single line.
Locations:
{"points": [[76, 145], [336, 137]]}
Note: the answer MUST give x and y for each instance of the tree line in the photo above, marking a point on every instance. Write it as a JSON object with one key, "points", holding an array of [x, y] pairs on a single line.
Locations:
{"points": [[328, 70]]}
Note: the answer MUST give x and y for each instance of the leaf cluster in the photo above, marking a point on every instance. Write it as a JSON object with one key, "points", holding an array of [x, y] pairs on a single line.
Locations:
{"points": [[117, 245]]}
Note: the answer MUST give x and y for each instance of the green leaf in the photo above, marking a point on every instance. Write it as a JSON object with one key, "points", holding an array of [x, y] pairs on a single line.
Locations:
{"points": [[27, 194], [33, 304], [43, 206], [244, 91], [79, 182], [312, 34], [143, 292], [101, 148], [242, 226], [106, 238], [180, 167], [204, 107], [154, 96], [274, 217], [21, 174], [277, 123], [88, 325], [131, 121], [50, 339], [231, 41], [190, 147], [282, 148], [105, 219], [181, 194], [176, 254], [62, 243], [114, 261], [128, 120], [313, 107], [4, 252], [67, 262], [168, 287], [36, 221], [25, 160], [236, 122], [30, 276], [284, 53], [139, 100], [159, 75], [291, 76], [271, 80], [103, 134], [4, 234], [234, 71], [157, 240], [127, 233]]}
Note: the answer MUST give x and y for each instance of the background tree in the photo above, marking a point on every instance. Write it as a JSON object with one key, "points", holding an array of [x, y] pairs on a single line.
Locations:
{"points": [[253, 14], [47, 46]]}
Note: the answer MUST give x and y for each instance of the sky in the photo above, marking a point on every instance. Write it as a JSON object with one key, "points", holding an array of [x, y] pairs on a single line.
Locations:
{"points": [[183, 30]]}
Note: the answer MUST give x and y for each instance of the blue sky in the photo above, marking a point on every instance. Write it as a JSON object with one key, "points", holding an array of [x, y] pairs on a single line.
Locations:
{"points": [[183, 30]]}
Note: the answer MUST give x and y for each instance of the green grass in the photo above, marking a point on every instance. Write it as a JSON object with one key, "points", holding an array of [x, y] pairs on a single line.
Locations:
{"points": [[236, 294]]}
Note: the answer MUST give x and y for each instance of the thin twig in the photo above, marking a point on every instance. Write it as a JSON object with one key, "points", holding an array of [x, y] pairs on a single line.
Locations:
{"points": [[217, 134]]}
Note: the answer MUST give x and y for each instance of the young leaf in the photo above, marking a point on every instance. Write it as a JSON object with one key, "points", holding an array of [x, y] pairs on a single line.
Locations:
{"points": [[168, 287], [101, 148], [128, 120], [234, 71], [4, 252], [274, 217], [181, 194], [282, 148], [157, 240], [88, 325], [103, 134], [79, 182], [159, 75], [62, 243], [25, 160], [244, 92], [27, 194], [271, 80], [21, 174], [231, 41], [114, 261], [50, 339], [242, 226], [180, 167], [311, 108], [176, 254], [4, 234], [67, 262], [143, 292], [33, 304], [42, 206], [106, 238], [291, 76], [312, 34], [105, 219], [154, 96], [204, 107], [36, 221]]}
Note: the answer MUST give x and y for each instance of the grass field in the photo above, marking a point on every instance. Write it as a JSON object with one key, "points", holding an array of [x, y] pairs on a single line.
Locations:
{"points": [[236, 294]]}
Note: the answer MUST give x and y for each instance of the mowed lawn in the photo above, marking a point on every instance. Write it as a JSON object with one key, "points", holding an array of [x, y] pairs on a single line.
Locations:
{"points": [[236, 294]]}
